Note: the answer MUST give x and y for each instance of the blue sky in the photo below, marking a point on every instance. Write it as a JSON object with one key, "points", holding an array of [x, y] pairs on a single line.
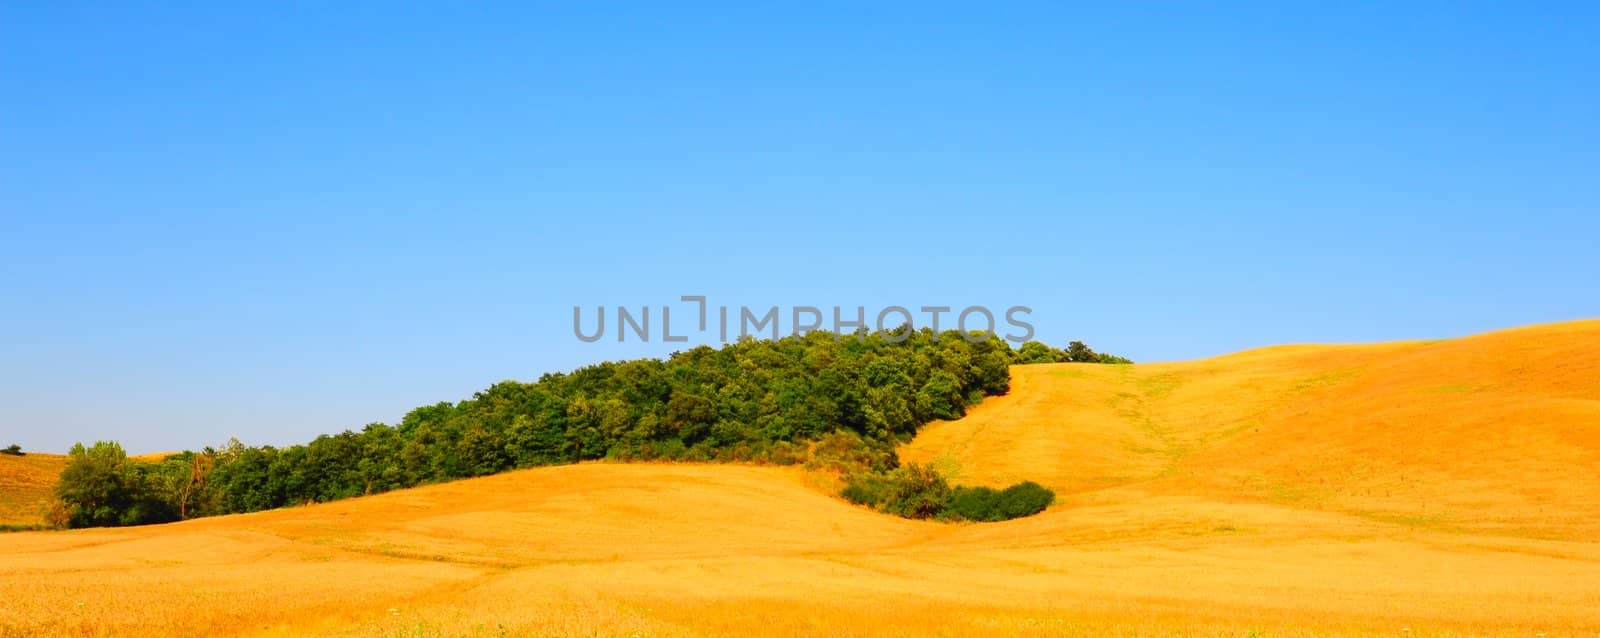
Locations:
{"points": [[279, 221]]}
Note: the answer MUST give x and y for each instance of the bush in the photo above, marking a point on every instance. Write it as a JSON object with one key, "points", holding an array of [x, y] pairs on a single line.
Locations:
{"points": [[865, 489], [916, 491], [1025, 499], [56, 515], [847, 453], [988, 504], [975, 504], [13, 450], [911, 491], [784, 453]]}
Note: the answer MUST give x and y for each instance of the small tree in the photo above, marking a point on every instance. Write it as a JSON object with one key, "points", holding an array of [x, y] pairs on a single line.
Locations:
{"points": [[13, 450], [1078, 352], [915, 491], [1035, 352], [97, 485], [101, 487], [911, 491]]}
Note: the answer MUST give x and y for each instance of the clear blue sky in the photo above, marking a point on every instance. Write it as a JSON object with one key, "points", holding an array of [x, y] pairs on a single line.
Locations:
{"points": [[277, 222]]}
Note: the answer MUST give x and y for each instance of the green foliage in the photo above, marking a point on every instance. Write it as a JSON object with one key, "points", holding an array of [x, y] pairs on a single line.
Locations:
{"points": [[866, 488], [100, 486], [918, 491], [988, 504], [915, 491], [1036, 352], [1025, 499], [1076, 352], [846, 453], [840, 404], [975, 503], [13, 450], [911, 491]]}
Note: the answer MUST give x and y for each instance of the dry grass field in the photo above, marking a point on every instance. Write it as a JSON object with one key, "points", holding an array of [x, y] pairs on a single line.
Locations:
{"points": [[26, 484], [1445, 488]]}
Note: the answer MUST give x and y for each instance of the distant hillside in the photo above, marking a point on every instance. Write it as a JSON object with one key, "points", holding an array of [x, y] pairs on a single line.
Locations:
{"points": [[25, 486], [1496, 433]]}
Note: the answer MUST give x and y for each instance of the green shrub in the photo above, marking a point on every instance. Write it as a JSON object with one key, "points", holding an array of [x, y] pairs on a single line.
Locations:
{"points": [[13, 450], [988, 504], [784, 453], [975, 504], [865, 488], [847, 453], [916, 491], [1025, 499], [911, 491]]}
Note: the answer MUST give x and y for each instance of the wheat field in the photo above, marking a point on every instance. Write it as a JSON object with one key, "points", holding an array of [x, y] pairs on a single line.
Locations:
{"points": [[1442, 488], [26, 486]]}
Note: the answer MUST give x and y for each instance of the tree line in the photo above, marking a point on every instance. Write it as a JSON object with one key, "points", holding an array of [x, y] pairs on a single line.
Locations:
{"points": [[1075, 352], [811, 398]]}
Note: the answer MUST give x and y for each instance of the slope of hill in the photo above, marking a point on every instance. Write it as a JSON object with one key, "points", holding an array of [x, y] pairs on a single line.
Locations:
{"points": [[26, 486], [1496, 433], [1416, 489]]}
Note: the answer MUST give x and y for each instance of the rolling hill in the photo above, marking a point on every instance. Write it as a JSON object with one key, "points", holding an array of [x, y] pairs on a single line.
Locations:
{"points": [[26, 484], [1496, 433], [1415, 488]]}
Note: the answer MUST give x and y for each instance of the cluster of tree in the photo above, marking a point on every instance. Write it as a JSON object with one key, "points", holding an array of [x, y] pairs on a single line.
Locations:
{"points": [[1075, 352], [13, 450], [919, 491], [815, 398], [764, 401], [102, 486]]}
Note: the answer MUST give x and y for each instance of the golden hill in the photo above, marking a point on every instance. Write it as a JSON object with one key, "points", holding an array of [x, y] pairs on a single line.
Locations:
{"points": [[1496, 433], [27, 485], [1409, 489]]}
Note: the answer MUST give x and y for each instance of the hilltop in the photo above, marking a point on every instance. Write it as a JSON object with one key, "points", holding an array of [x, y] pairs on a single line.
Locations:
{"points": [[1418, 488]]}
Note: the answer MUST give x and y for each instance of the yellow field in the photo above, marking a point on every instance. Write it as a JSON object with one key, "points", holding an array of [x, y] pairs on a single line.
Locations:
{"points": [[1402, 489], [27, 485]]}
